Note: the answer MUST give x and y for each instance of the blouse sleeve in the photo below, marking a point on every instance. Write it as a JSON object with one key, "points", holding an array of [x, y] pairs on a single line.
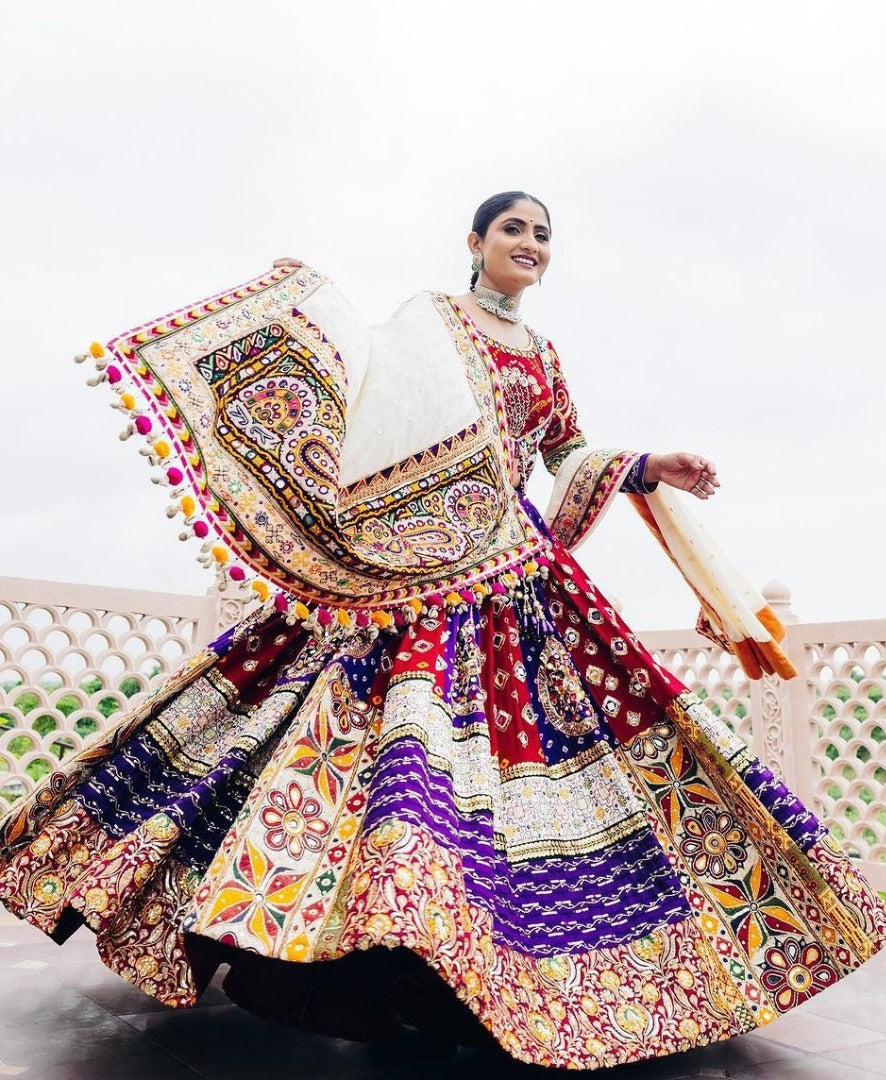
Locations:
{"points": [[563, 435]]}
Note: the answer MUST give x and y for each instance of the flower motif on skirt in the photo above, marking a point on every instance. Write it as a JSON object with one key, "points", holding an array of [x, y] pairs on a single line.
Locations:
{"points": [[293, 821], [324, 756], [715, 844], [257, 895], [796, 971], [346, 707], [755, 909]]}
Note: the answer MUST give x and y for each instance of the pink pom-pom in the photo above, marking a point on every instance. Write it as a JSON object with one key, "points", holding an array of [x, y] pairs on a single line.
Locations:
{"points": [[281, 602], [498, 588], [468, 596], [142, 425], [435, 600], [362, 618], [201, 529], [324, 617], [113, 373], [175, 476], [237, 573]]}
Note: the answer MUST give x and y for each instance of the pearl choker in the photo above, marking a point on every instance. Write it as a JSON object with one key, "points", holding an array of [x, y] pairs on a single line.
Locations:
{"points": [[500, 304]]}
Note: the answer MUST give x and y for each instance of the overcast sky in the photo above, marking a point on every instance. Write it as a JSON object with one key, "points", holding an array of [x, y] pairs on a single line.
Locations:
{"points": [[715, 173]]}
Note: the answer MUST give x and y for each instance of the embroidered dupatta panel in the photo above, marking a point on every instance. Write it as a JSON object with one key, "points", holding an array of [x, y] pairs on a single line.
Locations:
{"points": [[252, 397]]}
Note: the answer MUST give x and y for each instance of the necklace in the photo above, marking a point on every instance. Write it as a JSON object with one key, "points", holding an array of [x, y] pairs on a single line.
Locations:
{"points": [[500, 304]]}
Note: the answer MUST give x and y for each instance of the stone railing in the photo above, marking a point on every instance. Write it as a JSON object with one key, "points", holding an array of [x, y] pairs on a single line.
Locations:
{"points": [[73, 656]]}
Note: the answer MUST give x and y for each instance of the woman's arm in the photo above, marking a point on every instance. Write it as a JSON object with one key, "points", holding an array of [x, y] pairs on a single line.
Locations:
{"points": [[690, 472]]}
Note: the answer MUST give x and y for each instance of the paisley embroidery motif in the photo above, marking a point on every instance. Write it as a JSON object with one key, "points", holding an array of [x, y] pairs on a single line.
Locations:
{"points": [[561, 692]]}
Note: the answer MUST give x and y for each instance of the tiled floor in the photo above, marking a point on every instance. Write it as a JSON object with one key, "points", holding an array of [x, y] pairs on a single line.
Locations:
{"points": [[65, 1016]]}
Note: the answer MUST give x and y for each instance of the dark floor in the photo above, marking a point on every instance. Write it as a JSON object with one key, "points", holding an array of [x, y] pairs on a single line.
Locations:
{"points": [[65, 1016]]}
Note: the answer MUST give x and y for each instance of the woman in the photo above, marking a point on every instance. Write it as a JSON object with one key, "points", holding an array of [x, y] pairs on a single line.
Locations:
{"points": [[436, 770]]}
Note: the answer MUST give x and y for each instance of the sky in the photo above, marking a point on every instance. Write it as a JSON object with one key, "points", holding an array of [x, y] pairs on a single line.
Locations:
{"points": [[715, 174]]}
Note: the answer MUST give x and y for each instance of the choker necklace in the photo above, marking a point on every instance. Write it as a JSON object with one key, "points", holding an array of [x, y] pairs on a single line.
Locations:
{"points": [[500, 304]]}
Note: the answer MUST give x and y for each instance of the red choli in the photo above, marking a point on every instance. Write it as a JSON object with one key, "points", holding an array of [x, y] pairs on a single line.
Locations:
{"points": [[541, 414]]}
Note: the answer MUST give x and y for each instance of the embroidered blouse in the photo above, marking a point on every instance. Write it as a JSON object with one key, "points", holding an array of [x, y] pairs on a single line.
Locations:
{"points": [[542, 415]]}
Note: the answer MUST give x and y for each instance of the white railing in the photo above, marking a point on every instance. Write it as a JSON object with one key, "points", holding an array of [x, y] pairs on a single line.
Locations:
{"points": [[73, 656]]}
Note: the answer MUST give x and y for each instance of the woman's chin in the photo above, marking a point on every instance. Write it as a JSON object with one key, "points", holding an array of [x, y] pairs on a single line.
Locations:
{"points": [[514, 284]]}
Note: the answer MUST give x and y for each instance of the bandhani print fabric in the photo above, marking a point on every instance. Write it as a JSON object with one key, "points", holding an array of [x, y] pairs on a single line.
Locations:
{"points": [[511, 790]]}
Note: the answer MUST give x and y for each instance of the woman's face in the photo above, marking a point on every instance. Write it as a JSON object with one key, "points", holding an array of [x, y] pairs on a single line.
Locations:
{"points": [[516, 248]]}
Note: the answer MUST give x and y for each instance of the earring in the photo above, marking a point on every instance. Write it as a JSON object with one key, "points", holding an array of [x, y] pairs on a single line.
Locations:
{"points": [[539, 279], [477, 262]]}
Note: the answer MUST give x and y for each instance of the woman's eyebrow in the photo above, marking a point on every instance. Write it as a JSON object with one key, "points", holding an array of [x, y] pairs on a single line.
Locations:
{"points": [[520, 221]]}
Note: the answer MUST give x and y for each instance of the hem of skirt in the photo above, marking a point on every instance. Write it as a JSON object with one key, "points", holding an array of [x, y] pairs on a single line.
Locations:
{"points": [[131, 892]]}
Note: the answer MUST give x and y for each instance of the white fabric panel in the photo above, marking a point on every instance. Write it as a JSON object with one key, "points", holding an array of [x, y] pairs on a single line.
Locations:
{"points": [[344, 327], [414, 391]]}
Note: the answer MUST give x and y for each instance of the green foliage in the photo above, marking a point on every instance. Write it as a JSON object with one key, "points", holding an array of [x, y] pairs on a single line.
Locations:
{"points": [[20, 745], [68, 704]]}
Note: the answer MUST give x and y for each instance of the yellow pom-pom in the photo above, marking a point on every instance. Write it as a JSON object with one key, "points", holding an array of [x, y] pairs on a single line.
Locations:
{"points": [[415, 604], [302, 611], [188, 505], [480, 589], [531, 566], [161, 448], [127, 400], [509, 579], [97, 350], [453, 599], [262, 588], [219, 553], [381, 619], [343, 617]]}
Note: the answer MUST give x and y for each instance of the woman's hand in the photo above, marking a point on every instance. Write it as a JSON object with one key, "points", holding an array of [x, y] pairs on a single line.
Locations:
{"points": [[681, 470], [286, 261]]}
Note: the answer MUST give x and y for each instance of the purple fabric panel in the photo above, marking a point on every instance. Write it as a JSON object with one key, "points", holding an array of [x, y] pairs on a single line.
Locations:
{"points": [[139, 781], [800, 824], [592, 901], [540, 906]]}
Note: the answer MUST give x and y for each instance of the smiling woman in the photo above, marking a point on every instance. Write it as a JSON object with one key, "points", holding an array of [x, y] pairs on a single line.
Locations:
{"points": [[435, 778]]}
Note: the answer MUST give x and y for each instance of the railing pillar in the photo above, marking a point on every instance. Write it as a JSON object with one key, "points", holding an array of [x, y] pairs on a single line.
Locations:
{"points": [[777, 741], [228, 607]]}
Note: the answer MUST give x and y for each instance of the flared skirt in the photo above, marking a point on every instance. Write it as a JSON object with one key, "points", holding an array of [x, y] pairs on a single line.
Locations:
{"points": [[512, 790]]}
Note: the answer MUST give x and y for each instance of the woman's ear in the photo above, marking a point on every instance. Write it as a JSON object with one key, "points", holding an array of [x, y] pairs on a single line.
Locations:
{"points": [[475, 240]]}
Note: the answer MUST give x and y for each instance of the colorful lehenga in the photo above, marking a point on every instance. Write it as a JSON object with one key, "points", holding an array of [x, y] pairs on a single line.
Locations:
{"points": [[487, 771]]}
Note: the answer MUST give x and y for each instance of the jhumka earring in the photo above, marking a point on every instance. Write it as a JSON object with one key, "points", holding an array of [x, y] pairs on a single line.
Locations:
{"points": [[477, 262]]}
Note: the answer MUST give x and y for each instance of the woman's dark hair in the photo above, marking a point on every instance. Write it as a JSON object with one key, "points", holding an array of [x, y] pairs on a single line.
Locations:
{"points": [[489, 209]]}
